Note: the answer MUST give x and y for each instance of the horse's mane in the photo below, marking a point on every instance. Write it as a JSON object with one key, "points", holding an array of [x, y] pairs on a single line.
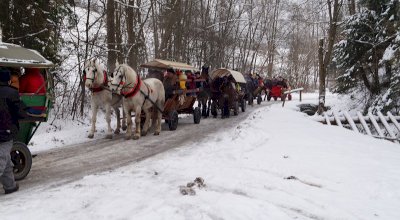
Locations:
{"points": [[205, 72], [98, 65], [130, 74], [95, 62]]}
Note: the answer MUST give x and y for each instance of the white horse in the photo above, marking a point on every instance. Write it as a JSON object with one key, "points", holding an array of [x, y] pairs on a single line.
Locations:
{"points": [[146, 95], [96, 80]]}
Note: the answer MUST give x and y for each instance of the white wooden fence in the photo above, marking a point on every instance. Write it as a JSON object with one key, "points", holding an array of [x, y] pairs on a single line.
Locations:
{"points": [[378, 126]]}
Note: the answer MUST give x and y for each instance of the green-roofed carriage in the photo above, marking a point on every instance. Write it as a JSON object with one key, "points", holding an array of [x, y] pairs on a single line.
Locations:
{"points": [[38, 102]]}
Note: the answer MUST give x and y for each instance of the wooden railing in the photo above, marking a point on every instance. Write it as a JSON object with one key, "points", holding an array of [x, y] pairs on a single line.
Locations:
{"points": [[378, 126]]}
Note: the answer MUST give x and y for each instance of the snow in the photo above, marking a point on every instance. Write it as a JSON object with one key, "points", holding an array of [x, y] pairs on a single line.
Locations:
{"points": [[277, 164], [389, 53]]}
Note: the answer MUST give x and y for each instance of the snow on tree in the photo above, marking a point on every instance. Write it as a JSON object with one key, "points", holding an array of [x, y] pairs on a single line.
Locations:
{"points": [[369, 55]]}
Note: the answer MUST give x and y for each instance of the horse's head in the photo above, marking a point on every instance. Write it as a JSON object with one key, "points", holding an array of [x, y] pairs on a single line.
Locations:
{"points": [[118, 78], [90, 70]]}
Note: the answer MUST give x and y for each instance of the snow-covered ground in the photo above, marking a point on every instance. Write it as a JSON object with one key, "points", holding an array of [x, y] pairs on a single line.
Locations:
{"points": [[277, 164]]}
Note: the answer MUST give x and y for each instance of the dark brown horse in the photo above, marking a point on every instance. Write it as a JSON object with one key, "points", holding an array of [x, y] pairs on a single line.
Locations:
{"points": [[203, 96], [224, 96]]}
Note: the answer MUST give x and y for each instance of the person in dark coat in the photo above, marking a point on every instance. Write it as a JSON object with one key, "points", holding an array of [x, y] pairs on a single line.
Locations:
{"points": [[170, 82], [10, 112]]}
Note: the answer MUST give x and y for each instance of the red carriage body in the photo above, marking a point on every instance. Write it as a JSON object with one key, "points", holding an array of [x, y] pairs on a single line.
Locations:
{"points": [[277, 92]]}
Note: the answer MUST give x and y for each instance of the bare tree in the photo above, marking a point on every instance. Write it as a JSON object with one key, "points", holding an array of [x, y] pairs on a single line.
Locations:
{"points": [[326, 59], [111, 43]]}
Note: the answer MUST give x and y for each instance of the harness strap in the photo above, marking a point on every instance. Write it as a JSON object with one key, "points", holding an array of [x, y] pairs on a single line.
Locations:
{"points": [[147, 97], [101, 87], [148, 93], [134, 90]]}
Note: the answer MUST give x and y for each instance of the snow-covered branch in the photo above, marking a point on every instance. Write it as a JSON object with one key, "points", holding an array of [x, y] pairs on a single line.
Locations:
{"points": [[28, 35]]}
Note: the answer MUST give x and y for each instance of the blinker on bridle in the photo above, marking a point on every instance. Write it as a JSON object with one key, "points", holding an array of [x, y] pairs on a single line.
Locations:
{"points": [[94, 74]]}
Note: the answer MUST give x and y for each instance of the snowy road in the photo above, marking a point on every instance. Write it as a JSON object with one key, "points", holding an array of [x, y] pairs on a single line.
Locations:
{"points": [[60, 166]]}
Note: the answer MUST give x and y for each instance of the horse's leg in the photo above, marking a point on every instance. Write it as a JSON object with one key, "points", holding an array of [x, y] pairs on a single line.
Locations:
{"points": [[146, 122], [94, 119], [118, 129], [138, 111], [204, 107], [199, 101], [123, 119], [108, 120], [208, 106], [129, 123], [157, 119]]}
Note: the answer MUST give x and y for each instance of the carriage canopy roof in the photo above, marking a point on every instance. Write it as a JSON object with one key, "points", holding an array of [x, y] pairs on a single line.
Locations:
{"points": [[221, 72], [12, 55], [165, 64]]}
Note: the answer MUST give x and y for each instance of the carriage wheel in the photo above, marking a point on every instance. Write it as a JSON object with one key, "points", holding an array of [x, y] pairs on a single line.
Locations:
{"points": [[259, 99], [214, 109], [173, 120], [196, 115], [243, 105], [235, 108], [22, 159]]}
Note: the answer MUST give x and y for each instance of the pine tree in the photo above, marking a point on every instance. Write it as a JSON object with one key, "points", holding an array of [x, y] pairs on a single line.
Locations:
{"points": [[33, 24], [368, 54]]}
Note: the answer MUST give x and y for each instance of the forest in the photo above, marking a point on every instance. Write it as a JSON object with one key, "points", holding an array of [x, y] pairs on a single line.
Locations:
{"points": [[345, 46]]}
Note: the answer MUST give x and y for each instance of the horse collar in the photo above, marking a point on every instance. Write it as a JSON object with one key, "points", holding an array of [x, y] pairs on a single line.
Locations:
{"points": [[134, 90], [101, 87]]}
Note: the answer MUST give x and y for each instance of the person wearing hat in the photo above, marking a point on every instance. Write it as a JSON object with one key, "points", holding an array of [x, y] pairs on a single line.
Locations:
{"points": [[10, 112], [169, 83]]}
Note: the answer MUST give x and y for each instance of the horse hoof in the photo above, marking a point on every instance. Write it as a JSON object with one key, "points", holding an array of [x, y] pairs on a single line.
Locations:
{"points": [[124, 128], [156, 133], [90, 136], [127, 137], [109, 136], [135, 137], [144, 133], [117, 131]]}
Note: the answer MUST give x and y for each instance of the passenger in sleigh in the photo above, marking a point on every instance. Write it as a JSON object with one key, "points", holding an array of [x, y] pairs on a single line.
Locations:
{"points": [[282, 82], [32, 81], [190, 83], [169, 82]]}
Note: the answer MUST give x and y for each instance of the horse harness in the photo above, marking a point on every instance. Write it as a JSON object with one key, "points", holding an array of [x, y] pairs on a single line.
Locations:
{"points": [[136, 89], [101, 87]]}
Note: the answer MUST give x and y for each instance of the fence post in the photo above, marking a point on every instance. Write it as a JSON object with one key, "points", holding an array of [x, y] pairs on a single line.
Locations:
{"points": [[300, 95]]}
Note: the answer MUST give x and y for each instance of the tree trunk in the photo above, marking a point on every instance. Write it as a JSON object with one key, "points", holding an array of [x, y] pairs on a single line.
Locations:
{"points": [[352, 7], [131, 33], [322, 76], [112, 56], [118, 34], [333, 20]]}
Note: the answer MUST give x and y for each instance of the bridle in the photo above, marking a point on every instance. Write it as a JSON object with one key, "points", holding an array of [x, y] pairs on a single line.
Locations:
{"points": [[101, 87], [121, 82], [94, 75], [122, 85]]}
